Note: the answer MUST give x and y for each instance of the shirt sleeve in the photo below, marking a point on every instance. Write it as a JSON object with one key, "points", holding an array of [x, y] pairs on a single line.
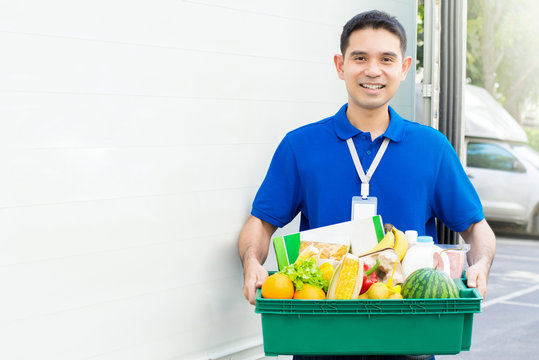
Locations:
{"points": [[278, 198], [456, 201]]}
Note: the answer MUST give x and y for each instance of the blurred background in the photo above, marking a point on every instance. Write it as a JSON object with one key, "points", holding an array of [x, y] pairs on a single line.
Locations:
{"points": [[503, 58], [500, 110]]}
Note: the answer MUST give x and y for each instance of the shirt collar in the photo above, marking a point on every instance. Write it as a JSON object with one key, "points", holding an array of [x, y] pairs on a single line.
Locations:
{"points": [[346, 130]]}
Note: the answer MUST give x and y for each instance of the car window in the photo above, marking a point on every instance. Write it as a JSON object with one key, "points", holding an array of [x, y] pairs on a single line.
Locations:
{"points": [[491, 156], [527, 153]]}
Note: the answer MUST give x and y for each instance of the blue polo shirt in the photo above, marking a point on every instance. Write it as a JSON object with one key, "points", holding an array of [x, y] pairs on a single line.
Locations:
{"points": [[419, 178]]}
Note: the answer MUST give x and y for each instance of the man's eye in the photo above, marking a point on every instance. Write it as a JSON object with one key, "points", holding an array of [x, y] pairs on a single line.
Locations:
{"points": [[387, 59], [360, 58]]}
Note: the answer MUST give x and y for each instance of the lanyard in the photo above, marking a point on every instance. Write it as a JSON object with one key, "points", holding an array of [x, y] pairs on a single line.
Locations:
{"points": [[365, 178]]}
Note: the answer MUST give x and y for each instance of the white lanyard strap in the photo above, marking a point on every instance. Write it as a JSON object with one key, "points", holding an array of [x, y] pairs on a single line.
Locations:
{"points": [[365, 178]]}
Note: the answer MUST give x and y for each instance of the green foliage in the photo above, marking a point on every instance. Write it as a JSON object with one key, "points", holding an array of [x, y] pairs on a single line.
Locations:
{"points": [[514, 55], [518, 36], [533, 138], [420, 33], [474, 61]]}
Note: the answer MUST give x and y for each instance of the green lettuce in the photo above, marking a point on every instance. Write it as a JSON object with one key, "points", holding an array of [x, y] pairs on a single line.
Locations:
{"points": [[306, 273]]}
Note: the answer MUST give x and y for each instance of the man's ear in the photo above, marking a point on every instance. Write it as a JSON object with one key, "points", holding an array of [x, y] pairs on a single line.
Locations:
{"points": [[406, 63], [339, 60]]}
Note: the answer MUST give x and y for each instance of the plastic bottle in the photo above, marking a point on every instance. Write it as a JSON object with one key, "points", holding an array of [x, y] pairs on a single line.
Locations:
{"points": [[411, 236], [422, 255]]}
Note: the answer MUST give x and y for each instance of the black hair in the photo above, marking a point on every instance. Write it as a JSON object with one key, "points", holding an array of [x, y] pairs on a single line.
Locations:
{"points": [[373, 19]]}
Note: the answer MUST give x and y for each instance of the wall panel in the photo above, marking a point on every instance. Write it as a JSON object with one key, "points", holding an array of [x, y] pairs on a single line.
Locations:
{"points": [[133, 137]]}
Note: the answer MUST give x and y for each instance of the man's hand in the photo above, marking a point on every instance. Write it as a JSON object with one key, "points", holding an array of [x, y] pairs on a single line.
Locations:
{"points": [[254, 275], [253, 246], [477, 276], [482, 248]]}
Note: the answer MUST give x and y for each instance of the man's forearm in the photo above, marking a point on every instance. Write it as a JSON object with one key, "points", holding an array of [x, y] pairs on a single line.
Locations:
{"points": [[253, 246], [254, 240], [481, 255], [482, 243]]}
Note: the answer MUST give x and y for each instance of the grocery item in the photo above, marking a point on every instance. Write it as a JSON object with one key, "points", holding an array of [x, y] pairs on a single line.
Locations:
{"points": [[388, 241], [277, 286], [390, 280], [337, 239], [428, 283], [401, 242], [388, 259], [306, 272], [381, 291], [394, 238], [327, 270], [326, 250], [307, 253], [411, 236], [369, 276], [366, 234], [347, 279], [363, 296], [378, 291], [456, 254], [310, 292], [424, 254]]}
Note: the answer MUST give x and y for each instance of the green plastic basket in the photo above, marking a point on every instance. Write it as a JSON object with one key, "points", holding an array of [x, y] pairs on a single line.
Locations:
{"points": [[369, 327]]}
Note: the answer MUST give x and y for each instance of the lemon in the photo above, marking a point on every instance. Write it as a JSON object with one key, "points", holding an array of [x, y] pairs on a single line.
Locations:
{"points": [[378, 291], [327, 270]]}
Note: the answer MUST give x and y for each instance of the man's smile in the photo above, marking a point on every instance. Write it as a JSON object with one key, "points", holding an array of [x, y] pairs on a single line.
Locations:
{"points": [[372, 86]]}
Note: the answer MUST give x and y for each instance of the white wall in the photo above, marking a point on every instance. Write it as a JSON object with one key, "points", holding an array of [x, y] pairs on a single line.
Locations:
{"points": [[133, 137]]}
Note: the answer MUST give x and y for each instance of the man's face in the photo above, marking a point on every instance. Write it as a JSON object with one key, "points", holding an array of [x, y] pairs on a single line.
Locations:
{"points": [[372, 68]]}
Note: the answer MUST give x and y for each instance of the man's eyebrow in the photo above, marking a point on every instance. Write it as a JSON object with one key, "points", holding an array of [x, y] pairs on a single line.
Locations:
{"points": [[390, 53], [360, 52]]}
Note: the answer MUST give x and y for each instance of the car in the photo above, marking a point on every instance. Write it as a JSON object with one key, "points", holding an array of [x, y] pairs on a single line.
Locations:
{"points": [[502, 167], [506, 177]]}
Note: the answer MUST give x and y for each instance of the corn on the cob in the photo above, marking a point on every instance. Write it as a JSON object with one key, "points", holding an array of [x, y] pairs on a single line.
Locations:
{"points": [[347, 279]]}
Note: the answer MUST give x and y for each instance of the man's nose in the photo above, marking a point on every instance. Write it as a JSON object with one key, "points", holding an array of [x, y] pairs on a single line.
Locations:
{"points": [[373, 69]]}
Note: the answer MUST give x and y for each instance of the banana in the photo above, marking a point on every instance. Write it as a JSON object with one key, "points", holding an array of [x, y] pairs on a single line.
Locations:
{"points": [[394, 238], [387, 241], [401, 242]]}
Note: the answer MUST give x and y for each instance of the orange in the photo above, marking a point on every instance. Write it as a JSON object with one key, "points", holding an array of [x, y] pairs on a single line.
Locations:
{"points": [[310, 292], [278, 286], [327, 270]]}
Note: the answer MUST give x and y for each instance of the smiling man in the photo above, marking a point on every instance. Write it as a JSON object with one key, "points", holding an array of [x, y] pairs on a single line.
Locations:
{"points": [[372, 66], [417, 176]]}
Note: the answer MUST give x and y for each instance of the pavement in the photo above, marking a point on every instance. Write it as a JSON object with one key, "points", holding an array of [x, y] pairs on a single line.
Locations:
{"points": [[508, 326]]}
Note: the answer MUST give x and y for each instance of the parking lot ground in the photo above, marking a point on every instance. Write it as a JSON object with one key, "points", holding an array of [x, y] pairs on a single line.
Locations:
{"points": [[508, 327]]}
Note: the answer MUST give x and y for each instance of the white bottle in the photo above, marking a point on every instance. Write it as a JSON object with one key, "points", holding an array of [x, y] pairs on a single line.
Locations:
{"points": [[411, 236], [422, 255]]}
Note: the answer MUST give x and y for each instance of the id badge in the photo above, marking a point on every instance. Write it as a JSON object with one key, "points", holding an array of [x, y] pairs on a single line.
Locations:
{"points": [[364, 208]]}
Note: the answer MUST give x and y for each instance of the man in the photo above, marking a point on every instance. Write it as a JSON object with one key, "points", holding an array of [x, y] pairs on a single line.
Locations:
{"points": [[418, 179]]}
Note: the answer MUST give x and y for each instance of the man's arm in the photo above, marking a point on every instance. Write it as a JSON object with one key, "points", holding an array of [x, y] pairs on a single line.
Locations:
{"points": [[253, 246], [482, 248]]}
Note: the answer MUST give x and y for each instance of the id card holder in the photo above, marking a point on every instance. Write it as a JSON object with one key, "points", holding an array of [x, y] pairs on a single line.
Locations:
{"points": [[364, 208]]}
